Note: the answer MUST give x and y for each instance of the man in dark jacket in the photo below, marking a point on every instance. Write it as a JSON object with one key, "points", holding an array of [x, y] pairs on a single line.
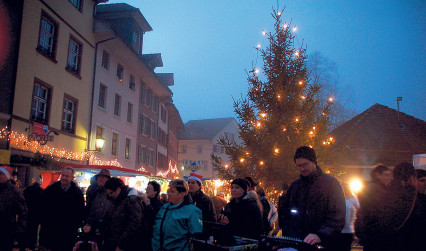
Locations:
{"points": [[13, 211], [63, 210], [34, 197], [97, 199], [314, 210], [123, 220], [201, 200]]}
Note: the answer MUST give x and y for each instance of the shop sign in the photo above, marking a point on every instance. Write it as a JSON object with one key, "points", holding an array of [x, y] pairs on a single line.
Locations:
{"points": [[192, 165], [5, 157], [41, 134]]}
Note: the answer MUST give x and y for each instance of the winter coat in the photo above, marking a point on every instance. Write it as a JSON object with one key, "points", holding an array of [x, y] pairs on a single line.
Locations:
{"points": [[314, 204], [245, 218], [34, 198], [369, 227], [175, 224], [281, 210], [63, 213], [97, 203], [149, 214], [123, 222], [12, 204], [203, 202]]}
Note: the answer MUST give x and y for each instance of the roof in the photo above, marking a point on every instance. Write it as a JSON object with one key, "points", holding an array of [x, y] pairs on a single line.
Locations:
{"points": [[122, 10], [205, 129], [378, 136]]}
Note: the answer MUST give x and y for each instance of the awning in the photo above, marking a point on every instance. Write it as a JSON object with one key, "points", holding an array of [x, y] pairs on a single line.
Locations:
{"points": [[114, 170]]}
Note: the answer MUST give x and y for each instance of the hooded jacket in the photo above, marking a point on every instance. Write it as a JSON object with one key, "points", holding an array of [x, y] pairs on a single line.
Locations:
{"points": [[123, 221], [314, 204], [175, 224]]}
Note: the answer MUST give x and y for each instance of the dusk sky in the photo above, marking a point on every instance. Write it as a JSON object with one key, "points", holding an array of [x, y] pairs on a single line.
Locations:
{"points": [[378, 46]]}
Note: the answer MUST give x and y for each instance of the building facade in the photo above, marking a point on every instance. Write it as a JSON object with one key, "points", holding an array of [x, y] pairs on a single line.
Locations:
{"points": [[200, 139]]}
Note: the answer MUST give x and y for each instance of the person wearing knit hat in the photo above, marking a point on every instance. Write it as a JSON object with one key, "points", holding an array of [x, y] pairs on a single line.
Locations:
{"points": [[316, 198], [13, 211], [201, 200], [242, 215]]}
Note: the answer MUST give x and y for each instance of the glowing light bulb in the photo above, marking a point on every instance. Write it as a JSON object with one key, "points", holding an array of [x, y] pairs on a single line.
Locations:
{"points": [[296, 53], [279, 13], [297, 119], [303, 97], [311, 132], [264, 32], [284, 129], [300, 83], [258, 124], [331, 138], [226, 166], [294, 29], [278, 96], [313, 127], [247, 153], [276, 150], [261, 163], [258, 46], [324, 143], [285, 26], [330, 99], [241, 160], [263, 114]]}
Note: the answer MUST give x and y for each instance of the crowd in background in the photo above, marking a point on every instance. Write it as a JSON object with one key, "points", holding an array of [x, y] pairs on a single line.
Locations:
{"points": [[389, 214]]}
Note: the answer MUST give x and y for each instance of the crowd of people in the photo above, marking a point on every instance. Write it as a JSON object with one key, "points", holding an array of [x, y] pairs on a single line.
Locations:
{"points": [[389, 214]]}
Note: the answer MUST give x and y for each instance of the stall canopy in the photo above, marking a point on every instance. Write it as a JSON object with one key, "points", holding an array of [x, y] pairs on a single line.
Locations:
{"points": [[114, 170]]}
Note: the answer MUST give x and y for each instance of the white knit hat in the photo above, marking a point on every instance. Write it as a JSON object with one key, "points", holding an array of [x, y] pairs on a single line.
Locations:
{"points": [[6, 172]]}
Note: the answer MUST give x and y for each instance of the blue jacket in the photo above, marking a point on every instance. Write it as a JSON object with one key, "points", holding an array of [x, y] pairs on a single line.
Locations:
{"points": [[180, 222]]}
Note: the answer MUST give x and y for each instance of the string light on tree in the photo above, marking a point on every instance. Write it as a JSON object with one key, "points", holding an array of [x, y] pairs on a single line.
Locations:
{"points": [[294, 29]]}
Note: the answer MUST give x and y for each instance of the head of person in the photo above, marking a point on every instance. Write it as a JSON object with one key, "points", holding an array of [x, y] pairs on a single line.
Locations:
{"points": [[4, 175], [153, 189], [252, 184], [421, 180], [194, 182], [381, 174], [67, 176], [38, 180], [285, 188], [306, 160], [113, 187], [103, 176], [14, 176], [405, 174], [239, 188], [178, 189], [260, 191], [164, 197]]}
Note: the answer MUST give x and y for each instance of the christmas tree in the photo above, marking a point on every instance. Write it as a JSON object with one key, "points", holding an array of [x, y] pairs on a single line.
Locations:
{"points": [[283, 110]]}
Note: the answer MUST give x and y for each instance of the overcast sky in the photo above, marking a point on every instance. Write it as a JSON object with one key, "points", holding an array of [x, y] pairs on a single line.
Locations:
{"points": [[378, 46]]}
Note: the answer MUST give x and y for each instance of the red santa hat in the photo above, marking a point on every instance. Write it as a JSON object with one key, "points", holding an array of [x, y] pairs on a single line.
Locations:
{"points": [[197, 177]]}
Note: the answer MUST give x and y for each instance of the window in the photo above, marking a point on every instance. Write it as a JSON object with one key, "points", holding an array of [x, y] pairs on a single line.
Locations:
{"points": [[141, 123], [143, 92], [147, 130], [48, 36], [120, 72], [74, 56], [149, 98], [155, 104], [105, 60], [132, 84], [99, 135], [69, 114], [102, 95], [117, 105], [114, 144], [76, 3], [127, 149], [130, 113], [153, 130], [199, 149], [41, 103], [163, 115], [152, 159], [183, 149]]}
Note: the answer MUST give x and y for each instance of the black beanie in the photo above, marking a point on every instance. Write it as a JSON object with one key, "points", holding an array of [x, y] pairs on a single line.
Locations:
{"points": [[307, 153], [243, 183]]}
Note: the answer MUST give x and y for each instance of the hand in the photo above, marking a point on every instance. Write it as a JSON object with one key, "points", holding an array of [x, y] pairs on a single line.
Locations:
{"points": [[312, 239], [223, 219]]}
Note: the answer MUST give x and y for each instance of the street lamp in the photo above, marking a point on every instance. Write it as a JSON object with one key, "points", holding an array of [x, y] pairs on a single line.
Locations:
{"points": [[99, 144]]}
